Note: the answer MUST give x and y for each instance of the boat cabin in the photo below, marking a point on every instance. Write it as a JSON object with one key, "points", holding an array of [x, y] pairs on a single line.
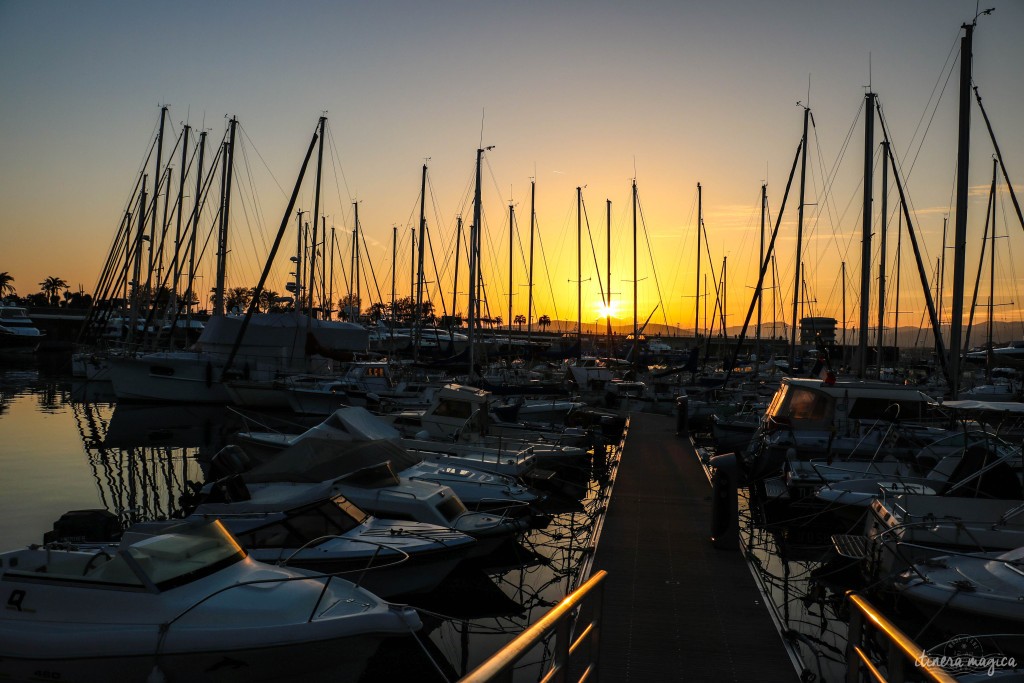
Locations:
{"points": [[809, 404]]}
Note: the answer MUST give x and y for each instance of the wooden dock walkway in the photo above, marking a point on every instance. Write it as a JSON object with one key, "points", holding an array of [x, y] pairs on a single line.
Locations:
{"points": [[675, 608]]}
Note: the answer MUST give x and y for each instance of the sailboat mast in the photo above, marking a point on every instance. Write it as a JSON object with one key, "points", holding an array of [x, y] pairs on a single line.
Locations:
{"points": [[991, 275], [351, 275], [960, 224], [529, 286], [330, 297], [298, 261], [358, 301], [696, 305], [458, 250], [195, 228], [511, 235], [394, 262], [760, 259], [844, 310], [865, 244], [316, 216], [725, 263], [180, 208], [881, 255], [325, 306], [137, 269], [636, 347], [579, 269], [169, 172], [474, 231], [896, 313], [419, 259], [222, 236], [608, 265], [156, 197], [799, 240]]}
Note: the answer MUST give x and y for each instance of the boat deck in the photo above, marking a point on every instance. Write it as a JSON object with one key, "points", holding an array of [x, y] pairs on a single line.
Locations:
{"points": [[675, 608]]}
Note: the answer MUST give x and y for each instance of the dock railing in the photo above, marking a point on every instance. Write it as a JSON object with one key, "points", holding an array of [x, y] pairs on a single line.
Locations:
{"points": [[559, 620], [901, 648]]}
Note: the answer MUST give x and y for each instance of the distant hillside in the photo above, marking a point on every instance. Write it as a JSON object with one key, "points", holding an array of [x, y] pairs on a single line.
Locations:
{"points": [[909, 337]]}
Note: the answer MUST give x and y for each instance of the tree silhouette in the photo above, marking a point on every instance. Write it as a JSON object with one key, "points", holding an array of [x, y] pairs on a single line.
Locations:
{"points": [[377, 311], [544, 322], [349, 307], [52, 287], [237, 297], [520, 320], [269, 301], [6, 288]]}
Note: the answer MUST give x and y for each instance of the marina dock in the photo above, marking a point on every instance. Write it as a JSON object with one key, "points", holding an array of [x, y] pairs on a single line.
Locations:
{"points": [[674, 607]]}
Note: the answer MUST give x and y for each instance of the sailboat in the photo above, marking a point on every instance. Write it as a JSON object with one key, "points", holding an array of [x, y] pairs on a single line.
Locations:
{"points": [[252, 347]]}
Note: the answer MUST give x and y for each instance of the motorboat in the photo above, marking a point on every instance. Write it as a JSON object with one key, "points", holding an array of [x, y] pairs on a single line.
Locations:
{"points": [[978, 586], [18, 334], [352, 438], [590, 372], [962, 464], [463, 413], [637, 396], [186, 604], [311, 526], [363, 383], [346, 425], [821, 430], [378, 490]]}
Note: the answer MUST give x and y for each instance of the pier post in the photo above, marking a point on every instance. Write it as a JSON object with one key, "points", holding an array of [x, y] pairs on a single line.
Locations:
{"points": [[725, 533]]}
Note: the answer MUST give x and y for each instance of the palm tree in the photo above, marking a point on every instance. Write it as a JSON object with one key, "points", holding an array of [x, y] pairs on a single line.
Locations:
{"points": [[6, 288], [269, 301], [52, 287], [520, 320], [543, 322], [237, 297]]}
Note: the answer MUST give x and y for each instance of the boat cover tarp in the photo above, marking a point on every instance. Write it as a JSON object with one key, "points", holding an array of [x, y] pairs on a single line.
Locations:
{"points": [[989, 406], [316, 460], [359, 423]]}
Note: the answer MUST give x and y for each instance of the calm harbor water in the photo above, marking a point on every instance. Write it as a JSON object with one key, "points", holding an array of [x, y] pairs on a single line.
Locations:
{"points": [[70, 446]]}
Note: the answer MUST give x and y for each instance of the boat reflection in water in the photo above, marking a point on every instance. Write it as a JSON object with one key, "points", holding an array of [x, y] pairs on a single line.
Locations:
{"points": [[148, 462], [146, 458]]}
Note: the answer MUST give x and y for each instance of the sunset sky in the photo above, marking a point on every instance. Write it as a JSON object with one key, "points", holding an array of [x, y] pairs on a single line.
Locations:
{"points": [[589, 94]]}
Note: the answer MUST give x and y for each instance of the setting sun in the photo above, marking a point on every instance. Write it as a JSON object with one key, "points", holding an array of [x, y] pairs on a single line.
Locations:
{"points": [[609, 311]]}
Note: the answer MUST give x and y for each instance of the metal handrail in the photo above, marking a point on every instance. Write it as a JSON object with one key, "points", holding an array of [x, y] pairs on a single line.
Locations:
{"points": [[901, 647], [499, 667]]}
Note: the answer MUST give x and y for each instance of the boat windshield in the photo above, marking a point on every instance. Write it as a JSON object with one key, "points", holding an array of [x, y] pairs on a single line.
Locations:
{"points": [[801, 407], [307, 526], [187, 552], [184, 555]]}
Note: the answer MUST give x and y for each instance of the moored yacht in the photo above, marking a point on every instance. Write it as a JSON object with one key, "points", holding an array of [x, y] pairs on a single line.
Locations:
{"points": [[179, 606], [310, 526], [272, 344], [18, 334], [822, 430]]}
